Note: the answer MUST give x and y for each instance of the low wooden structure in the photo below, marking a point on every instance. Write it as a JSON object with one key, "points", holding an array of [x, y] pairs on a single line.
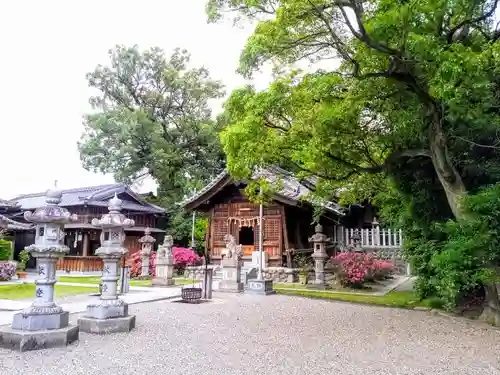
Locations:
{"points": [[287, 218], [82, 237]]}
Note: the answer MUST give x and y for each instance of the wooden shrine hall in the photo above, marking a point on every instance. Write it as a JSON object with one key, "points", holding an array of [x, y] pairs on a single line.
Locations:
{"points": [[287, 217]]}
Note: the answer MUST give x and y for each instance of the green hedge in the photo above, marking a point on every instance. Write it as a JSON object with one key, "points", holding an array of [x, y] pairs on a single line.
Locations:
{"points": [[5, 250]]}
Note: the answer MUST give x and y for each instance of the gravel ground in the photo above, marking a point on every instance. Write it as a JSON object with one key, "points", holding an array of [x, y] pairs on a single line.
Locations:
{"points": [[275, 335]]}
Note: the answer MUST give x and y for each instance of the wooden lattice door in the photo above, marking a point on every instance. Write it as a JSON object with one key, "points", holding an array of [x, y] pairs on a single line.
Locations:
{"points": [[219, 230], [272, 235]]}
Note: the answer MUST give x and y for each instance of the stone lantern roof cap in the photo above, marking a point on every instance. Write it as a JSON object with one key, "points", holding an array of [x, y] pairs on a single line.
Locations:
{"points": [[319, 236], [51, 212], [147, 238], [113, 219]]}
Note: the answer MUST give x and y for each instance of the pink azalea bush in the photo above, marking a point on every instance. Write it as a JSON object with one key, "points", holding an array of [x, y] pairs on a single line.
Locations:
{"points": [[381, 269], [135, 262], [7, 271], [183, 257], [357, 268]]}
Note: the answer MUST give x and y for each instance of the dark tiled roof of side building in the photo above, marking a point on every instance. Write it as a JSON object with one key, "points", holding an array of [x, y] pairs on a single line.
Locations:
{"points": [[92, 196]]}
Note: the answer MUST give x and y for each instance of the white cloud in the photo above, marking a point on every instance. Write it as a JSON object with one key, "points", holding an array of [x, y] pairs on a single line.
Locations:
{"points": [[48, 46]]}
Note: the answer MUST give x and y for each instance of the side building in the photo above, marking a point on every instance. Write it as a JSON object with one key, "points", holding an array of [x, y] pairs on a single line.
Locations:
{"points": [[82, 237]]}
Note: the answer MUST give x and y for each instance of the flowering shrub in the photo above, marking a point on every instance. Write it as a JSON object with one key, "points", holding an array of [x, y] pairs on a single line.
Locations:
{"points": [[135, 262], [183, 257], [7, 270], [381, 269], [356, 268]]}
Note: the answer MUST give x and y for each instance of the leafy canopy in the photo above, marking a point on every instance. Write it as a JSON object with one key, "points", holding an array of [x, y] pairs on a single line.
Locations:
{"points": [[404, 112], [417, 80], [152, 117]]}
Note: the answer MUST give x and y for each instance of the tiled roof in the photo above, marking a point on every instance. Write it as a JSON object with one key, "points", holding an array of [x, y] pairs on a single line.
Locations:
{"points": [[92, 196], [12, 224], [291, 188], [8, 204]]}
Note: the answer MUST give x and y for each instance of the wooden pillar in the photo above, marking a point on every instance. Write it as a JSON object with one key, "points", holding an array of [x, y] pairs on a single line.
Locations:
{"points": [[85, 245]]}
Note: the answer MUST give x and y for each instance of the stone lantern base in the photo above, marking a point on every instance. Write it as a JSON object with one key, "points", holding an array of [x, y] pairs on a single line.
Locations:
{"points": [[102, 326], [39, 327], [107, 318], [33, 340]]}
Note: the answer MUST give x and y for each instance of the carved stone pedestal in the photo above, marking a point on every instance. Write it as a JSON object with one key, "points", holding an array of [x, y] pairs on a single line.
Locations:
{"points": [[260, 287], [103, 326], [33, 340], [231, 276], [164, 264]]}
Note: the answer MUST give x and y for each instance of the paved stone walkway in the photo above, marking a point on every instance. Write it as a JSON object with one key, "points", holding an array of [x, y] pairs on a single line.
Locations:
{"points": [[243, 334], [78, 303]]}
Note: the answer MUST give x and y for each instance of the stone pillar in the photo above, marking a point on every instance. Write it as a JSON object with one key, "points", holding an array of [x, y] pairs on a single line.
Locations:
{"points": [[206, 283], [111, 313], [164, 264], [44, 324], [146, 242], [320, 256]]}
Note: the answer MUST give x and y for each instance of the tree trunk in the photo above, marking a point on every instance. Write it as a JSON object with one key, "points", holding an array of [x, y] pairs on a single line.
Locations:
{"points": [[455, 191], [491, 308], [446, 172]]}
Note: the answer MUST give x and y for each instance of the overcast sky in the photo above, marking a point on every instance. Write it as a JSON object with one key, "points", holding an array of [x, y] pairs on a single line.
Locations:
{"points": [[49, 46]]}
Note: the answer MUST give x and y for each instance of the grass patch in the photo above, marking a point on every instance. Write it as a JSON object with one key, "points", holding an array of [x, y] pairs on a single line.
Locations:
{"points": [[96, 280], [406, 300], [25, 291], [186, 281]]}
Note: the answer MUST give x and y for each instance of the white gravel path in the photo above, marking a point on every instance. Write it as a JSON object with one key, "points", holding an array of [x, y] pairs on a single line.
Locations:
{"points": [[275, 335]]}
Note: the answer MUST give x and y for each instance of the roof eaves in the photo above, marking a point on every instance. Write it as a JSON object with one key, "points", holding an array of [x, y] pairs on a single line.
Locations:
{"points": [[197, 195]]}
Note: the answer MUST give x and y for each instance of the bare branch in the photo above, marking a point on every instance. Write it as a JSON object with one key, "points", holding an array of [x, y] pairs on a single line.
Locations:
{"points": [[494, 146]]}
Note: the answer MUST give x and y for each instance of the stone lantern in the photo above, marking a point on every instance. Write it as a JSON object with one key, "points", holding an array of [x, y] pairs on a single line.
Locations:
{"points": [[356, 241], [146, 242], [111, 313], [319, 240], [44, 324]]}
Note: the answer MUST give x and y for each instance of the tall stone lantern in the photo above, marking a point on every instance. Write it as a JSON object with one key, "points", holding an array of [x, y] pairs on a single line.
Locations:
{"points": [[111, 313], [146, 242], [44, 324], [319, 240]]}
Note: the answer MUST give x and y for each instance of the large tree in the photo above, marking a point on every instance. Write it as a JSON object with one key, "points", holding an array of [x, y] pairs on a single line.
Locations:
{"points": [[415, 96], [151, 117]]}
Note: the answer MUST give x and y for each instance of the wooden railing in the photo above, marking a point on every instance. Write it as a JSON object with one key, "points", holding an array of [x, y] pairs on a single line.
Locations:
{"points": [[80, 264], [374, 237]]}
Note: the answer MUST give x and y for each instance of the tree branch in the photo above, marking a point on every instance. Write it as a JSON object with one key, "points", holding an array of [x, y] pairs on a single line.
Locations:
{"points": [[483, 17]]}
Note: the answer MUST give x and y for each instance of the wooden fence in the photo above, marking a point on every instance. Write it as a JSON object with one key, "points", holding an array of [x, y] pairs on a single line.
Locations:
{"points": [[374, 237]]}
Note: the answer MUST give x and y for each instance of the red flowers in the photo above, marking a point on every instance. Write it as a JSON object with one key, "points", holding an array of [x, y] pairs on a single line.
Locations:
{"points": [[356, 268], [183, 257]]}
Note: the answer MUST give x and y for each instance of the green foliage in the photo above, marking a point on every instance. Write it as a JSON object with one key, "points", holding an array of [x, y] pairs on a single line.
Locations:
{"points": [[180, 228], [24, 257], [5, 249], [409, 119], [151, 117]]}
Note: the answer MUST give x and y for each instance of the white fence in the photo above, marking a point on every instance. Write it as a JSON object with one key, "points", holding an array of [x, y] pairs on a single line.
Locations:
{"points": [[375, 237]]}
